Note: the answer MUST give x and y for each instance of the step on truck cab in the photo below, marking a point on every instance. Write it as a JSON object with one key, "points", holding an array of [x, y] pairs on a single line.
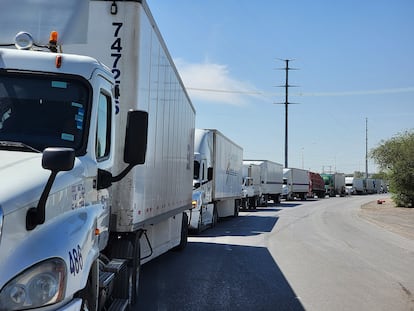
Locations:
{"points": [[96, 152]]}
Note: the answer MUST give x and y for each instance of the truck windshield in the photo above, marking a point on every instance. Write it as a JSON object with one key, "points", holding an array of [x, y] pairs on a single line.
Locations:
{"points": [[42, 111]]}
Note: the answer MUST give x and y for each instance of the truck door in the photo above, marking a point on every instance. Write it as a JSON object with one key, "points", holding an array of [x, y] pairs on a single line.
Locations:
{"points": [[104, 147]]}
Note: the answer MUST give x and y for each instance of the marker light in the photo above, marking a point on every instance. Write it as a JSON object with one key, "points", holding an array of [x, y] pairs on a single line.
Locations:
{"points": [[23, 41], [58, 61]]}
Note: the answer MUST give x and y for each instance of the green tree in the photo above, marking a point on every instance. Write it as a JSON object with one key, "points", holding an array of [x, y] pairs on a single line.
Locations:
{"points": [[395, 157], [380, 175], [358, 174]]}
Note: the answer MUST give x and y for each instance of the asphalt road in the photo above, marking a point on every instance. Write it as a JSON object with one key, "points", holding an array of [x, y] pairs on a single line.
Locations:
{"points": [[312, 255]]}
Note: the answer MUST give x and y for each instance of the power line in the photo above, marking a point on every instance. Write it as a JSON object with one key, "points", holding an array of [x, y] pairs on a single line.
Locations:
{"points": [[409, 89]]}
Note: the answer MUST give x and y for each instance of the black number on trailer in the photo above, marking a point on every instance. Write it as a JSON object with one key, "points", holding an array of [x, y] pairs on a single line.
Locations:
{"points": [[116, 46]]}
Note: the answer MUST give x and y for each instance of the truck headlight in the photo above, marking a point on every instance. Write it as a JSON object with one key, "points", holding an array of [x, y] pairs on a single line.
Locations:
{"points": [[40, 285]]}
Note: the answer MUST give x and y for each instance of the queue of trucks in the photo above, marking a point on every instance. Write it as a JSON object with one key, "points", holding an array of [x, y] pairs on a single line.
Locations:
{"points": [[356, 185], [102, 167]]}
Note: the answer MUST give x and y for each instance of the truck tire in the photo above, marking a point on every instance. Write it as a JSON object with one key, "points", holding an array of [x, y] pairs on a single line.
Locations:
{"points": [[199, 225], [244, 205], [184, 234], [236, 208], [127, 281], [215, 218], [252, 203]]}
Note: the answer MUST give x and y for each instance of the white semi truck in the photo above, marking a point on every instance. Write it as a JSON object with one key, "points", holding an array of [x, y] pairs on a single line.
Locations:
{"points": [[295, 183], [96, 162], [270, 180], [217, 179], [349, 181], [251, 190]]}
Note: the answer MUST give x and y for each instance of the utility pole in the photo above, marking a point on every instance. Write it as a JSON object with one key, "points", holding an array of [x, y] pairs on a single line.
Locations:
{"points": [[366, 147], [286, 103]]}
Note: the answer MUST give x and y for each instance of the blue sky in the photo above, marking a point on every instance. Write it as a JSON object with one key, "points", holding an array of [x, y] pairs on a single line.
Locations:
{"points": [[355, 61]]}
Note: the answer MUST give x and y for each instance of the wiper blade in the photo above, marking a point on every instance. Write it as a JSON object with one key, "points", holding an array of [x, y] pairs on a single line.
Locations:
{"points": [[17, 145]]}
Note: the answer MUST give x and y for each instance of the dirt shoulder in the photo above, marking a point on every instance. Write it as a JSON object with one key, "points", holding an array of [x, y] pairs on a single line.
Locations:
{"points": [[395, 219]]}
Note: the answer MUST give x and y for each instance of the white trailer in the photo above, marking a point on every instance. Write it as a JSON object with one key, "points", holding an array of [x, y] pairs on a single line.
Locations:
{"points": [[370, 182], [217, 179], [359, 185], [271, 180], [340, 184], [295, 183], [118, 142], [251, 189]]}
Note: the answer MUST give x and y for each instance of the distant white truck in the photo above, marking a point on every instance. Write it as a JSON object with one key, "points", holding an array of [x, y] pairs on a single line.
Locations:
{"points": [[349, 185], [267, 181], [217, 182], [359, 185], [271, 180], [251, 190], [295, 183], [370, 182]]}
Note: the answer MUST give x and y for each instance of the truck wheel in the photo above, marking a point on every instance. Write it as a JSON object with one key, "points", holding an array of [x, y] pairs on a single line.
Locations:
{"points": [[127, 281], [243, 204], [266, 199], [236, 208], [215, 218], [88, 295], [277, 200], [199, 225], [184, 234]]}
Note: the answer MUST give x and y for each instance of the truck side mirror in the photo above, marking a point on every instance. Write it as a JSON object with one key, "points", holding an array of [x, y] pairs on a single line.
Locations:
{"points": [[135, 147], [136, 137], [56, 160]]}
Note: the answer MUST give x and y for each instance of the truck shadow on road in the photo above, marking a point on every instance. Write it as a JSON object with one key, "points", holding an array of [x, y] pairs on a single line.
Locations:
{"points": [[247, 225], [210, 276], [290, 204]]}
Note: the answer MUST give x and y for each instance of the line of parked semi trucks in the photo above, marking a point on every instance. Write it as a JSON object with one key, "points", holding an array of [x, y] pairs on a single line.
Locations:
{"points": [[224, 183]]}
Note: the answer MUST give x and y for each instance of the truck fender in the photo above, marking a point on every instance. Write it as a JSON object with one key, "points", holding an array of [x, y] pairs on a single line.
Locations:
{"points": [[71, 236]]}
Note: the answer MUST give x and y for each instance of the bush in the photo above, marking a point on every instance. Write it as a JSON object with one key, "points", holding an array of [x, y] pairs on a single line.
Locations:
{"points": [[396, 158]]}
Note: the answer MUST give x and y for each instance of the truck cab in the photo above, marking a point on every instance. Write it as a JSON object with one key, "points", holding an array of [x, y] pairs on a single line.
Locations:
{"points": [[57, 148]]}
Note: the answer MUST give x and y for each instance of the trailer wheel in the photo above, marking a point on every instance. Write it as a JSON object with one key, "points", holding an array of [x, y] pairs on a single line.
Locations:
{"points": [[127, 281], [215, 218], [236, 208], [277, 200], [199, 225]]}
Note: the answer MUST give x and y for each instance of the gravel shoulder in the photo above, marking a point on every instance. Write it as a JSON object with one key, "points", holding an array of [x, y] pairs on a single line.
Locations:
{"points": [[395, 219]]}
